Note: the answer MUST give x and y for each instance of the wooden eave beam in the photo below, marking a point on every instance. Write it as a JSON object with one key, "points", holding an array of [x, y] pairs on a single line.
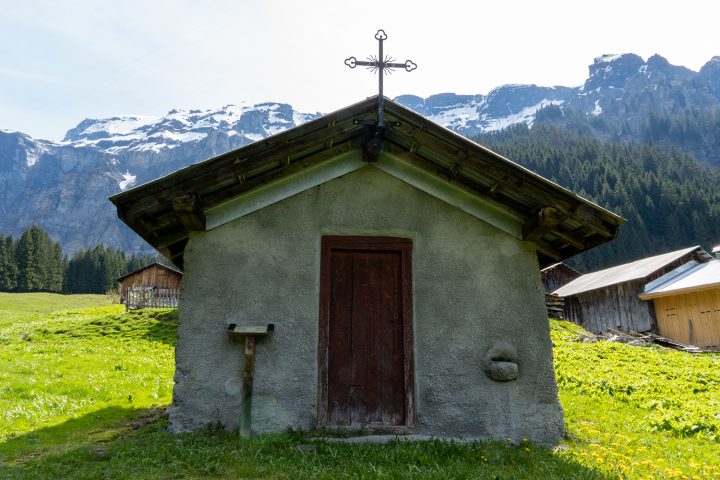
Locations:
{"points": [[505, 179], [175, 252], [166, 239], [145, 227], [189, 211], [497, 170], [569, 239], [594, 241], [549, 220], [446, 174], [229, 167], [237, 188], [545, 220], [548, 251], [246, 158], [186, 215], [592, 220]]}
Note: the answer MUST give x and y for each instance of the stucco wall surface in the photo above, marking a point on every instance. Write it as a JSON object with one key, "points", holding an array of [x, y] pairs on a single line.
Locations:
{"points": [[474, 287]]}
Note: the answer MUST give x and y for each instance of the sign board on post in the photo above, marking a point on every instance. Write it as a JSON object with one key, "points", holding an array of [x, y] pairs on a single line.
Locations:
{"points": [[249, 332]]}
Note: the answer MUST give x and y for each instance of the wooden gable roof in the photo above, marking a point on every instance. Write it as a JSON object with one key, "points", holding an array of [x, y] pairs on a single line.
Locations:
{"points": [[689, 278], [158, 265], [627, 272], [560, 223]]}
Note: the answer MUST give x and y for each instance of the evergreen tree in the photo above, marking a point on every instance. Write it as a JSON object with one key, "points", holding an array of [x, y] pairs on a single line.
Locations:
{"points": [[112, 266], [137, 262], [30, 259], [8, 264], [94, 271], [56, 269], [40, 262]]}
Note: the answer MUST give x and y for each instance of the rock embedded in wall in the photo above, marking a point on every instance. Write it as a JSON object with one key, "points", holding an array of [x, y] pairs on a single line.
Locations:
{"points": [[500, 363]]}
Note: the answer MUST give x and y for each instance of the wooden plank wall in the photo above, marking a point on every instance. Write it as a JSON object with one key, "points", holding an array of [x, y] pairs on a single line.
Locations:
{"points": [[692, 318], [153, 277], [164, 284], [555, 278], [617, 306]]}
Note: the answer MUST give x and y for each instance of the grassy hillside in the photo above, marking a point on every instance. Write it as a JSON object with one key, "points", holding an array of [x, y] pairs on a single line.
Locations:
{"points": [[19, 307], [639, 412], [82, 393], [72, 375]]}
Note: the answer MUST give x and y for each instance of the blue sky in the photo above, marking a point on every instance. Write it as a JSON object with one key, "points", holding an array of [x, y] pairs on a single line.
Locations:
{"points": [[65, 61]]}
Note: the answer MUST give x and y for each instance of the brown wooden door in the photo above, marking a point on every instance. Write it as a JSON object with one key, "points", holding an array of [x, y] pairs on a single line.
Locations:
{"points": [[364, 297]]}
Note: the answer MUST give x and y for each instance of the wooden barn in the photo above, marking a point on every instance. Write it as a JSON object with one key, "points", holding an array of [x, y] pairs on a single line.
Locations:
{"points": [[557, 275], [155, 285], [687, 304], [554, 277], [399, 267], [610, 298]]}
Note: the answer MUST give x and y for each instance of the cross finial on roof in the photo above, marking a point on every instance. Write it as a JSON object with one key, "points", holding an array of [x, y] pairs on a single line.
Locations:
{"points": [[380, 64]]}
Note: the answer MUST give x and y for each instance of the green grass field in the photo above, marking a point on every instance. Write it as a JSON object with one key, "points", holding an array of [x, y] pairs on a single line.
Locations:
{"points": [[19, 307], [83, 386]]}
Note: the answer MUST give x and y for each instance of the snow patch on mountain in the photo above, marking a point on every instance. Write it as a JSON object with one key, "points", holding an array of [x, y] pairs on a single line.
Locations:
{"points": [[31, 157], [501, 108], [526, 115], [179, 136], [139, 133], [127, 182], [607, 58], [300, 118], [34, 149], [117, 126], [458, 116]]}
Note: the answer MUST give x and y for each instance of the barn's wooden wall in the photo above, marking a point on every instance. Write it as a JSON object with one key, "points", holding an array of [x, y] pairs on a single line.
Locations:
{"points": [[692, 318], [554, 278], [154, 276], [617, 306]]}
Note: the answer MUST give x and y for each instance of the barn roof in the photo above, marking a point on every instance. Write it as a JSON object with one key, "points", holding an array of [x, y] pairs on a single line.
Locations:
{"points": [[559, 222], [156, 264], [560, 266], [636, 270], [691, 277]]}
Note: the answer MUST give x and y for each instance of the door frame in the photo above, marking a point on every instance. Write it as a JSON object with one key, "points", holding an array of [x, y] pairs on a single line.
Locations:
{"points": [[404, 247]]}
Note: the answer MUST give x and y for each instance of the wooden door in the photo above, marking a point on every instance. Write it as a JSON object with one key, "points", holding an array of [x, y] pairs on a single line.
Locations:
{"points": [[365, 333]]}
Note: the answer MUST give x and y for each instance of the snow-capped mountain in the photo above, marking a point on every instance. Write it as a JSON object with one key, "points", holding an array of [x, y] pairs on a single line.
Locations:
{"points": [[471, 115], [248, 123], [63, 186]]}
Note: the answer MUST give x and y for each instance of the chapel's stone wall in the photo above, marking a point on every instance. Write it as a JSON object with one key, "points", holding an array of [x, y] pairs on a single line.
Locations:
{"points": [[475, 289]]}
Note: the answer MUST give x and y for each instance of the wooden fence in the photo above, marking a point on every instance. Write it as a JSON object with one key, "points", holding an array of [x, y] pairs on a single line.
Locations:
{"points": [[134, 298]]}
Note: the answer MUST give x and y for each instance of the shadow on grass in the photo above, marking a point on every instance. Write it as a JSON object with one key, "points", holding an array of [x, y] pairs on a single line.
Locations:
{"points": [[99, 426], [165, 329], [156, 325], [126, 443]]}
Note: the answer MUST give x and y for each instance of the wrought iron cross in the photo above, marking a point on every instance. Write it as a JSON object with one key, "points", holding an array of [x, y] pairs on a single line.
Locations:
{"points": [[380, 64]]}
